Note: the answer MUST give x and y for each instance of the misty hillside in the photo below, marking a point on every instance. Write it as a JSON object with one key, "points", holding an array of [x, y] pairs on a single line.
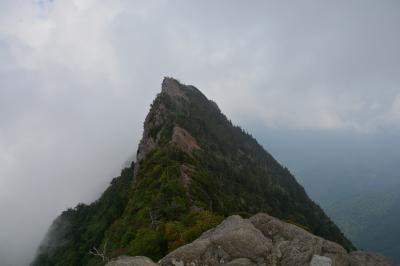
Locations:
{"points": [[360, 171], [371, 220], [193, 168]]}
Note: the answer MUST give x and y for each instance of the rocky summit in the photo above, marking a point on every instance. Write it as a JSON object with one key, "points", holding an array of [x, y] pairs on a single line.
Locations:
{"points": [[259, 240], [193, 169]]}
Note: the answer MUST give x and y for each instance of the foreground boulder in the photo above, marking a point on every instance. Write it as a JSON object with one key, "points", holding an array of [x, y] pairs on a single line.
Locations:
{"points": [[260, 240], [131, 261], [265, 240], [235, 238]]}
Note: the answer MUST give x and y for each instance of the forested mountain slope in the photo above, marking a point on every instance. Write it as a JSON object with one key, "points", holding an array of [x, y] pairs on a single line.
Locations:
{"points": [[371, 220], [193, 168]]}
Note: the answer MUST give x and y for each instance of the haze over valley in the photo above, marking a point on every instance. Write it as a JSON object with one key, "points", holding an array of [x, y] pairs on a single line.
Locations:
{"points": [[316, 84]]}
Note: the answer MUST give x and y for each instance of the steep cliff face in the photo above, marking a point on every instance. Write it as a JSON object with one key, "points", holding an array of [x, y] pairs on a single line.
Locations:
{"points": [[193, 168]]}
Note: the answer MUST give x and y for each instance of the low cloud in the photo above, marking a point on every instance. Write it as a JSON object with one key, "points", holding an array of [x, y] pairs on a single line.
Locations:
{"points": [[77, 79]]}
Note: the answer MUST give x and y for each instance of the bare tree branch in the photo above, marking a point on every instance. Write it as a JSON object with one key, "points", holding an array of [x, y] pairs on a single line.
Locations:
{"points": [[153, 218], [102, 253]]}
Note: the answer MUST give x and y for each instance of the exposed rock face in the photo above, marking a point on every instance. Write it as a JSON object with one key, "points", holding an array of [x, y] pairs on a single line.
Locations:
{"points": [[172, 87], [184, 140], [235, 238], [320, 261], [131, 261], [148, 142], [263, 240], [156, 119], [295, 246]]}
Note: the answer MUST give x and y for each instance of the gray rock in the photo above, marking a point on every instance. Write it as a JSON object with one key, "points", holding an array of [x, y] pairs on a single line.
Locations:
{"points": [[265, 240], [261, 240], [294, 245], [240, 262], [320, 261], [173, 88], [131, 261], [235, 238]]}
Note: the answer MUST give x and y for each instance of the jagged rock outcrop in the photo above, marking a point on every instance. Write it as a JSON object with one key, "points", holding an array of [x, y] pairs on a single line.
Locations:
{"points": [[183, 139], [235, 238], [262, 240], [156, 119]]}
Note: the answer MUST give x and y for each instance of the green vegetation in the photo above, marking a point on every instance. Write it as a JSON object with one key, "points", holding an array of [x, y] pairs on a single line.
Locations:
{"points": [[76, 231], [157, 211]]}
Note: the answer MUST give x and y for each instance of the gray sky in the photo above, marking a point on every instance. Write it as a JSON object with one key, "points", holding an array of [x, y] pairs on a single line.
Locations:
{"points": [[77, 78]]}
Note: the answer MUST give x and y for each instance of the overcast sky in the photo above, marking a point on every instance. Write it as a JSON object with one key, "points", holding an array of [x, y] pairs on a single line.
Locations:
{"points": [[77, 78]]}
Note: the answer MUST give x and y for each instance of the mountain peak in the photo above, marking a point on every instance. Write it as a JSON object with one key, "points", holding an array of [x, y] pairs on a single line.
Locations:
{"points": [[182, 117], [169, 82], [173, 88], [193, 168], [175, 99]]}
